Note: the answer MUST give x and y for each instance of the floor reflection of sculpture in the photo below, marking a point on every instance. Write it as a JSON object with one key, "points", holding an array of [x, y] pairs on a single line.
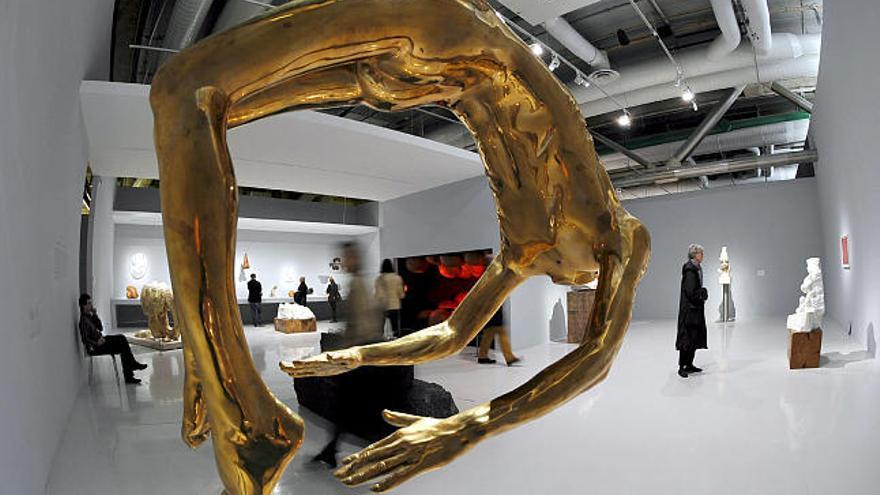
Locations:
{"points": [[558, 215], [157, 302], [727, 310], [805, 324]]}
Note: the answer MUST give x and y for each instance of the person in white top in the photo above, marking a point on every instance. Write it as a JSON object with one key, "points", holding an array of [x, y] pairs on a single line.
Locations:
{"points": [[389, 292]]}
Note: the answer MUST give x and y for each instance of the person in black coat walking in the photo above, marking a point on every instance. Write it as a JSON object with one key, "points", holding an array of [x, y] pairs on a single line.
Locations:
{"points": [[691, 316]]}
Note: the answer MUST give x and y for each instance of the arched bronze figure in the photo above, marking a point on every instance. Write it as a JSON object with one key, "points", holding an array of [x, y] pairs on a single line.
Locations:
{"points": [[558, 214]]}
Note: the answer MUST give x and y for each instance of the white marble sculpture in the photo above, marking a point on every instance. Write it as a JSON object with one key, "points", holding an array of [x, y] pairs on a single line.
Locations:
{"points": [[808, 315], [724, 271], [293, 311], [137, 266]]}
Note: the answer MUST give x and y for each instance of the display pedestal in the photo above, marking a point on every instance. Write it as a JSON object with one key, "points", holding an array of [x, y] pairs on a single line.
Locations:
{"points": [[804, 349], [580, 305], [295, 326]]}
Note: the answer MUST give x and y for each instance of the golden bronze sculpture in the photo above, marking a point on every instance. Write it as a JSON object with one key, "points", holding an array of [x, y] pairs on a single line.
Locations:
{"points": [[157, 301], [558, 215]]}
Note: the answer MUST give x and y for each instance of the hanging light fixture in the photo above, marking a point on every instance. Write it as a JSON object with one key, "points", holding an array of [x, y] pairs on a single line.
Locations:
{"points": [[554, 63], [624, 120], [687, 94], [537, 49], [580, 80]]}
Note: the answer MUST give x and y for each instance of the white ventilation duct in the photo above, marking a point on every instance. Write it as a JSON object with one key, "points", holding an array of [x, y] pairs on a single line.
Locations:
{"points": [[753, 137], [758, 13], [768, 69], [562, 31], [729, 38], [696, 63]]}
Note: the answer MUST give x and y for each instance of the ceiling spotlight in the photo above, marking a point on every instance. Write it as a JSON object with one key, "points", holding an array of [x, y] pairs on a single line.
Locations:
{"points": [[688, 94], [624, 120], [537, 49], [694, 106], [554, 63], [580, 80]]}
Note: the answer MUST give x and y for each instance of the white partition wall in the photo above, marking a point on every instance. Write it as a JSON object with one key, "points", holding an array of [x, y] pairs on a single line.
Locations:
{"points": [[845, 134], [46, 49], [769, 230]]}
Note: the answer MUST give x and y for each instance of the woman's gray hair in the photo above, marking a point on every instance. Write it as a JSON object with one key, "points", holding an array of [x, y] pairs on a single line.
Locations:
{"points": [[693, 249]]}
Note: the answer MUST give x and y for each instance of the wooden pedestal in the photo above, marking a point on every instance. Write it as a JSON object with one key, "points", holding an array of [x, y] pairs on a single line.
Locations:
{"points": [[296, 326], [580, 304], [804, 349]]}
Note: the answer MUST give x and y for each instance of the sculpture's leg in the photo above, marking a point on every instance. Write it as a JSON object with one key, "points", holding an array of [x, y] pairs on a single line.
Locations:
{"points": [[431, 343], [254, 435], [195, 428], [423, 444]]}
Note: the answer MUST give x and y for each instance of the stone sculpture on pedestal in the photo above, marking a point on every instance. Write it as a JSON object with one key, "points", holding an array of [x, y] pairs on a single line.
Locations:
{"points": [[293, 318], [808, 315], [158, 301]]}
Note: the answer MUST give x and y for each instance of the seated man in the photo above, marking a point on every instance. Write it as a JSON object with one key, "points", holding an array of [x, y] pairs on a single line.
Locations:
{"points": [[91, 331]]}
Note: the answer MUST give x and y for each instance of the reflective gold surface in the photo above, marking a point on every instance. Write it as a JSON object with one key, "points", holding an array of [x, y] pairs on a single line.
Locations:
{"points": [[558, 214]]}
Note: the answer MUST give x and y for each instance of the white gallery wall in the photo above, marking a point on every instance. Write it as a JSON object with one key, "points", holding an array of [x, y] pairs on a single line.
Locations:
{"points": [[769, 230], [46, 49], [277, 258], [845, 133], [461, 217]]}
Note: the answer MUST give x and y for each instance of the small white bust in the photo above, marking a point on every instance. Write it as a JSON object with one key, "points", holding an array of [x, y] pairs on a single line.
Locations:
{"points": [[724, 271], [811, 307]]}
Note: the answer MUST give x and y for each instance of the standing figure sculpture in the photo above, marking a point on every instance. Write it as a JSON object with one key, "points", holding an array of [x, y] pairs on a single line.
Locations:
{"points": [[557, 210], [726, 310]]}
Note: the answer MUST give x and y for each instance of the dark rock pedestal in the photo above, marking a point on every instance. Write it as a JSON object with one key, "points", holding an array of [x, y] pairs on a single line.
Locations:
{"points": [[355, 400]]}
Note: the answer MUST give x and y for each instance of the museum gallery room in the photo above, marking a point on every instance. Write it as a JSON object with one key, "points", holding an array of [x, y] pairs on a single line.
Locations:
{"points": [[429, 247]]}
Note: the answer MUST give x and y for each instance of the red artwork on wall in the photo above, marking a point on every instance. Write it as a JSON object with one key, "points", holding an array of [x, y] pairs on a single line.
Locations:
{"points": [[844, 251]]}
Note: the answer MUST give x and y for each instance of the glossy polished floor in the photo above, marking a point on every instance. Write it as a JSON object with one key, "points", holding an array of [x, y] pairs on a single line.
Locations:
{"points": [[747, 425]]}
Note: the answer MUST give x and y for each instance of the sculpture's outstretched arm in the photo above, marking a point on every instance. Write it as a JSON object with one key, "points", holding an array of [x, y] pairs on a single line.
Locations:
{"points": [[423, 444], [435, 342]]}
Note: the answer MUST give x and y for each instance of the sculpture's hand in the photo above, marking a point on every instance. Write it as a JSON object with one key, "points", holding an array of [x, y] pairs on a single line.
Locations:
{"points": [[324, 364], [422, 444]]}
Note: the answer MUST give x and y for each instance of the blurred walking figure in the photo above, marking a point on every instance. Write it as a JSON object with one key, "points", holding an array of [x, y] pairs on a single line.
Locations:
{"points": [[494, 328], [333, 297], [363, 326], [389, 292]]}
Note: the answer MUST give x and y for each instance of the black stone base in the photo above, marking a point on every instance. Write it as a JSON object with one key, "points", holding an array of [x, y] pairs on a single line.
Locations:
{"points": [[355, 400]]}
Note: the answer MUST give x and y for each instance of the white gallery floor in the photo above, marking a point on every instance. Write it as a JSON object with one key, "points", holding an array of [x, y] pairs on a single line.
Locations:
{"points": [[747, 425]]}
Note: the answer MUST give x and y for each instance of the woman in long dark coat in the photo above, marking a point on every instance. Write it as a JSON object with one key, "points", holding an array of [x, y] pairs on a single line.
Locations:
{"points": [[691, 316]]}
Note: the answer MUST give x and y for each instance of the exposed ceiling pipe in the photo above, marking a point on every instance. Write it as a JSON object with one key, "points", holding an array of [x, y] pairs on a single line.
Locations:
{"points": [[708, 123], [186, 23], [758, 13], [752, 137], [620, 149], [562, 31], [791, 96], [803, 67], [719, 167], [696, 63], [729, 38]]}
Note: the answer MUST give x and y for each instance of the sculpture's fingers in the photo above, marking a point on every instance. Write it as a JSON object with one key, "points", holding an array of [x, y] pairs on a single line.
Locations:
{"points": [[375, 469], [395, 478], [399, 419], [356, 461]]}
